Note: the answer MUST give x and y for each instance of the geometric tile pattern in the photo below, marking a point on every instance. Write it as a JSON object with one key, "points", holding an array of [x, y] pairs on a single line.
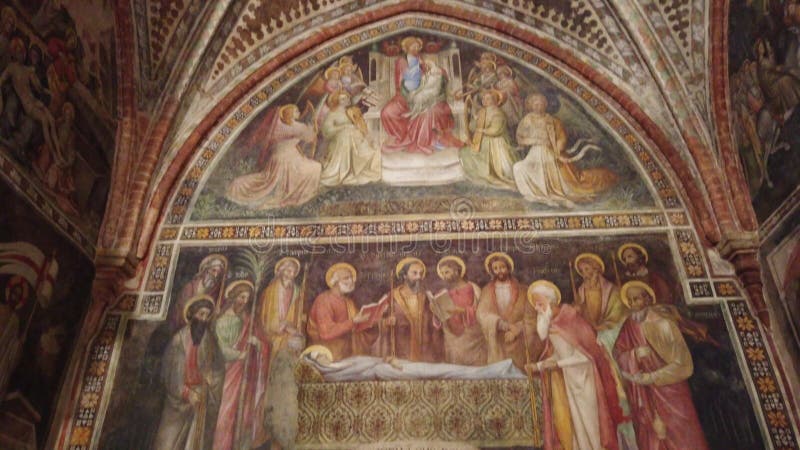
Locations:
{"points": [[478, 412]]}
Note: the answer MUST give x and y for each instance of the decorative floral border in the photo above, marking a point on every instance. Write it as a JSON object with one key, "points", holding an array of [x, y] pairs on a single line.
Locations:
{"points": [[418, 227], [690, 253], [762, 371], [93, 385], [239, 118]]}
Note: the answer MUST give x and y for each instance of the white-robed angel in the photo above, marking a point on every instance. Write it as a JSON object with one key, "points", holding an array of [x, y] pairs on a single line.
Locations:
{"points": [[350, 158]]}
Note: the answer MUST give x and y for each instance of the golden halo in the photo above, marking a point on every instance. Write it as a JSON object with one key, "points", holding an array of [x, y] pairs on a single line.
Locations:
{"points": [[318, 348], [546, 283], [490, 56], [407, 41], [499, 96], [505, 69], [453, 258], [344, 60], [407, 260], [327, 74], [238, 283], [591, 256], [635, 283], [282, 112], [196, 299], [336, 267], [499, 255], [628, 245], [214, 256], [286, 260]]}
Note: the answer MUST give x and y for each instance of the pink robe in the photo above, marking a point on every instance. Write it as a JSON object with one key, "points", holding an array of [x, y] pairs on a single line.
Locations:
{"points": [[249, 387], [671, 402], [422, 133], [579, 333]]}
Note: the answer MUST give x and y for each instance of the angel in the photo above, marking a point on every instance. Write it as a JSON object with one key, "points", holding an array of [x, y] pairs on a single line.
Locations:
{"points": [[350, 157], [287, 176], [513, 106]]}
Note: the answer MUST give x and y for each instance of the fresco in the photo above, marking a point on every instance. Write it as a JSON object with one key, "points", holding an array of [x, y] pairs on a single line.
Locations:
{"points": [[58, 105], [335, 346], [44, 284], [407, 123], [764, 67]]}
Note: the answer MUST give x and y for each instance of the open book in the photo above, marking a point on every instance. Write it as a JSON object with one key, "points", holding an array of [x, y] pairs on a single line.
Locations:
{"points": [[442, 305], [374, 311]]}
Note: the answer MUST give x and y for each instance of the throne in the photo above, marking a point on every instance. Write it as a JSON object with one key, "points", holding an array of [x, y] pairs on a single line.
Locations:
{"points": [[417, 169]]}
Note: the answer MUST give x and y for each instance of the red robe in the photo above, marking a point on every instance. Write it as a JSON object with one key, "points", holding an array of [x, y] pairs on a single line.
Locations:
{"points": [[245, 381], [672, 403], [578, 332], [421, 133]]}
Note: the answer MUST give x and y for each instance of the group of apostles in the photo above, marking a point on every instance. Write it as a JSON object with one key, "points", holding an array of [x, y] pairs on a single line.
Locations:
{"points": [[613, 359]]}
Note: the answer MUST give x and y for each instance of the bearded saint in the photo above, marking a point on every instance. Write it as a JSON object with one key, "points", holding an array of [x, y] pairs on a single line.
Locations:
{"points": [[281, 306], [506, 318], [580, 397], [415, 337], [598, 299], [654, 358], [192, 371], [464, 343], [245, 350], [334, 321], [207, 281]]}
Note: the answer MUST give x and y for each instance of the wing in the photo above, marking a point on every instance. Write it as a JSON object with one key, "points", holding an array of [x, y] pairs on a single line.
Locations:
{"points": [[314, 90]]}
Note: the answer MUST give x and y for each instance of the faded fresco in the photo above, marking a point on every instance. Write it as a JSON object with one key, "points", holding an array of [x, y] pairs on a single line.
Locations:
{"points": [[580, 340], [408, 123], [44, 284], [765, 92], [57, 100]]}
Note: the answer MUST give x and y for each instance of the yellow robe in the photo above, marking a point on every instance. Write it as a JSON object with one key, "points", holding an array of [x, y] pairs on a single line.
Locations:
{"points": [[270, 318]]}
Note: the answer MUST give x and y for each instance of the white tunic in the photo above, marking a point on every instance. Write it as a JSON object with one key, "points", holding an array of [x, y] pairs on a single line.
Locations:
{"points": [[581, 389]]}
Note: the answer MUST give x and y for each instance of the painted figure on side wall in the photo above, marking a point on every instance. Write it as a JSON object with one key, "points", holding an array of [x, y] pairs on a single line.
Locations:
{"points": [[334, 320], [192, 372], [281, 307], [287, 177], [597, 299], [490, 158], [547, 174], [429, 126], [654, 359], [464, 343], [246, 352], [209, 280], [506, 318], [409, 331], [580, 395]]}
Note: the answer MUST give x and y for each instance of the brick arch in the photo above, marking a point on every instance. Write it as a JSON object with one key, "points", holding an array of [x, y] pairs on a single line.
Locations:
{"points": [[692, 190]]}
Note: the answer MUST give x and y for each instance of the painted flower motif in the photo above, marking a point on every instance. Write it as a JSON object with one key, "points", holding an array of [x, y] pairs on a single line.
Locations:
{"points": [[357, 229], [412, 227], [89, 400], [777, 419], [384, 228], [228, 232], [495, 224], [745, 324], [599, 221], [439, 225], [80, 436], [573, 222], [624, 220], [677, 219], [97, 368], [727, 289], [524, 224], [695, 270], [279, 231], [467, 225], [202, 233], [766, 385], [687, 248], [755, 354]]}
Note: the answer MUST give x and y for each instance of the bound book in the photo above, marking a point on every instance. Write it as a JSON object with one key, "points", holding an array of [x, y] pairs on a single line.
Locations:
{"points": [[442, 305], [374, 311]]}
